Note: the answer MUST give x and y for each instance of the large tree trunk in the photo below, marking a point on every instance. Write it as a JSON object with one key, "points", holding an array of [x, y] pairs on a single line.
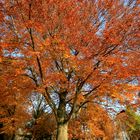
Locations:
{"points": [[62, 132], [62, 122]]}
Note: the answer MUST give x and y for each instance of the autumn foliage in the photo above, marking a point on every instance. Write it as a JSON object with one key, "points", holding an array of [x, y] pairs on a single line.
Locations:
{"points": [[76, 54]]}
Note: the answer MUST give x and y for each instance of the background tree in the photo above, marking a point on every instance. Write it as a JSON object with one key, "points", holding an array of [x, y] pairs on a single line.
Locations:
{"points": [[127, 124], [72, 52], [93, 122], [133, 124]]}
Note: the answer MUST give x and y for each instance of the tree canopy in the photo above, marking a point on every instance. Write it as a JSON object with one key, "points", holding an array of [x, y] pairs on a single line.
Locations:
{"points": [[74, 53]]}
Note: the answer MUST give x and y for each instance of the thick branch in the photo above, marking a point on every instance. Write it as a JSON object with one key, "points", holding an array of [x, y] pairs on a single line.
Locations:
{"points": [[51, 103], [93, 89]]}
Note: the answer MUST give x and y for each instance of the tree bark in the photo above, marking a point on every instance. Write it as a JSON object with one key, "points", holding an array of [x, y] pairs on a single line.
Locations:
{"points": [[62, 132]]}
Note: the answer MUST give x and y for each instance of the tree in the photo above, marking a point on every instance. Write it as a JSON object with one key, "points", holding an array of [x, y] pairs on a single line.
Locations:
{"points": [[43, 124], [128, 124], [133, 124], [73, 52], [93, 122]]}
